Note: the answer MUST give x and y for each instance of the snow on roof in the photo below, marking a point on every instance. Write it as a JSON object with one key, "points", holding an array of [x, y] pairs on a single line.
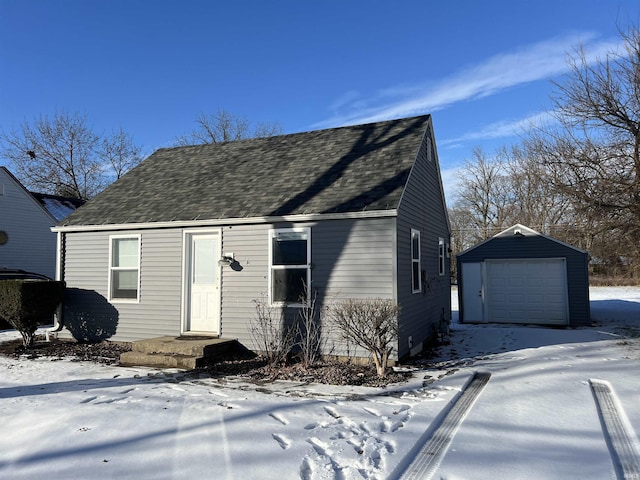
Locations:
{"points": [[58, 207]]}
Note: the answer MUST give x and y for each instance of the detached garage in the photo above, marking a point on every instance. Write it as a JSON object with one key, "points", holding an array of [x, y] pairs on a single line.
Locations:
{"points": [[522, 276]]}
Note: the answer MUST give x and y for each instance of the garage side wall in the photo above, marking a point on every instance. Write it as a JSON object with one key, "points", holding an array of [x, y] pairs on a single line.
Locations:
{"points": [[537, 246]]}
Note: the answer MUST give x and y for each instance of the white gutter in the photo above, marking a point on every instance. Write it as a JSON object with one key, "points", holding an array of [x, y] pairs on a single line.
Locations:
{"points": [[227, 221]]}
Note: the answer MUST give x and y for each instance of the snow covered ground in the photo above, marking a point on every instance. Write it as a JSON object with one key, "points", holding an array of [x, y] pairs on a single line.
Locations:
{"points": [[535, 419]]}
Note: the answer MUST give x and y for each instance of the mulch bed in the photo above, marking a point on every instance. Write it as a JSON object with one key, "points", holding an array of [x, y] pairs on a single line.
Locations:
{"points": [[107, 353], [254, 368]]}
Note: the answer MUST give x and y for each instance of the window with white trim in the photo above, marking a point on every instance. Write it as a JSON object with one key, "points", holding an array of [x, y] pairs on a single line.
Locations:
{"points": [[441, 256], [124, 268], [416, 278], [289, 266]]}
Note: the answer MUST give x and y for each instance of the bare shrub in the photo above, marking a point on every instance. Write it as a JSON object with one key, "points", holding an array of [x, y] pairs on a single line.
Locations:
{"points": [[311, 332], [270, 332], [370, 323]]}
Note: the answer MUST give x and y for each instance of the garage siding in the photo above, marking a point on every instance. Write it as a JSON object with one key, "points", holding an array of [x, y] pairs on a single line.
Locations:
{"points": [[531, 245]]}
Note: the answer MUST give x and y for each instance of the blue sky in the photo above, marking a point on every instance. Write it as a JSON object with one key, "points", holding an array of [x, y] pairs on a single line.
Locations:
{"points": [[482, 68]]}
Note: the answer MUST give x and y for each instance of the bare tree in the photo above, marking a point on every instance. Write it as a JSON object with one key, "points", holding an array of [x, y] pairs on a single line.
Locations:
{"points": [[463, 234], [502, 190], [536, 202], [224, 126], [120, 152], [267, 129], [63, 156], [484, 195], [592, 155]]}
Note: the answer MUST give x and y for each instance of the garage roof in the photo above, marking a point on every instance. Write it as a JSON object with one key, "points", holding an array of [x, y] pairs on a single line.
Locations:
{"points": [[523, 231]]}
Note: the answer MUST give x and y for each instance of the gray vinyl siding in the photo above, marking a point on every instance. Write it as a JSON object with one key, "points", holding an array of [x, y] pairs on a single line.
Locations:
{"points": [[87, 275], [422, 208], [159, 310], [249, 245], [351, 259], [354, 258], [31, 245], [536, 246]]}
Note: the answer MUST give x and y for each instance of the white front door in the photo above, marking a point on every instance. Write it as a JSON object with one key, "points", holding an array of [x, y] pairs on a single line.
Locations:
{"points": [[203, 283], [472, 294]]}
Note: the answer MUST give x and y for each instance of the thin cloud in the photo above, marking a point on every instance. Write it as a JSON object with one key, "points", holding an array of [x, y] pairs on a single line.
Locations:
{"points": [[503, 129], [345, 99], [528, 64]]}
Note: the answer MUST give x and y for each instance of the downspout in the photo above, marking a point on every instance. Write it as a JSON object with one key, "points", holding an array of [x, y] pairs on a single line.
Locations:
{"points": [[58, 321]]}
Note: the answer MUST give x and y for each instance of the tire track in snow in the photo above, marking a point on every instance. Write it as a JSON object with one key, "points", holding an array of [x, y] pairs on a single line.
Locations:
{"points": [[422, 464], [621, 440]]}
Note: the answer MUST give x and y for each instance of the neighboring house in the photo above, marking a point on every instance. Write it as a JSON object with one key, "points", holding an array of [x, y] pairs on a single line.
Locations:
{"points": [[186, 242], [522, 276], [26, 240]]}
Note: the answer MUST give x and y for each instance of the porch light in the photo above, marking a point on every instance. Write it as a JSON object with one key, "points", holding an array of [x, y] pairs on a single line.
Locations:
{"points": [[225, 261]]}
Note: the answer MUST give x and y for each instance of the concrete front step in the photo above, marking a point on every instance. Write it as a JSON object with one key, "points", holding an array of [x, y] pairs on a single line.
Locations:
{"points": [[196, 346], [158, 360], [177, 352]]}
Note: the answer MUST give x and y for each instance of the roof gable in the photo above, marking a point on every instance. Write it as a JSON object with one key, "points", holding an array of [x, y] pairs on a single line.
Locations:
{"points": [[523, 231], [26, 194], [55, 206], [339, 170]]}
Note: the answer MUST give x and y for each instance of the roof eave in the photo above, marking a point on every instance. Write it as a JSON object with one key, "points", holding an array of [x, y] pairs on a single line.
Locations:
{"points": [[228, 221]]}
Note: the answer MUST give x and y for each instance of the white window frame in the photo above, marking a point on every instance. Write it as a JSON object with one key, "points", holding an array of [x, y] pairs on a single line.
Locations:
{"points": [[113, 299], [442, 256], [415, 261], [272, 234]]}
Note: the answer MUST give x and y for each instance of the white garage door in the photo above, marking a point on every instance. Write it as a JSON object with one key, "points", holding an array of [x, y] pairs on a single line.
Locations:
{"points": [[526, 291]]}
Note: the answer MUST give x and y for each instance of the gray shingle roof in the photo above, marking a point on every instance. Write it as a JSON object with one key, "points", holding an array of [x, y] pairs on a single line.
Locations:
{"points": [[338, 170]]}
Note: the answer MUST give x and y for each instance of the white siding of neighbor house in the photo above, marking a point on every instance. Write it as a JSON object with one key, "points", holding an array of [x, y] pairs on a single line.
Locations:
{"points": [[422, 208], [31, 245]]}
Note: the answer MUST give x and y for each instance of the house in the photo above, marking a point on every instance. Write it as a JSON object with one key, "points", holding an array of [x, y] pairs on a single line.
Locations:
{"points": [[26, 240], [186, 242], [522, 276]]}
